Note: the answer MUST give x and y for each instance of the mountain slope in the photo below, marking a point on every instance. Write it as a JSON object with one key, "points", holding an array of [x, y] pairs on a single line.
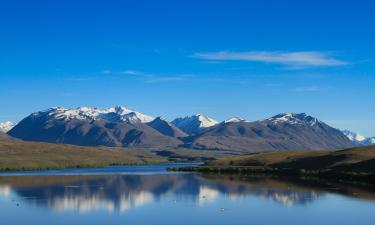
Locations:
{"points": [[194, 124], [166, 128], [281, 132], [4, 136]]}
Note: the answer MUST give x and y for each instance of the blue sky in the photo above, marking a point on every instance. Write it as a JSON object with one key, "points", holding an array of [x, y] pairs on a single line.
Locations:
{"points": [[252, 59]]}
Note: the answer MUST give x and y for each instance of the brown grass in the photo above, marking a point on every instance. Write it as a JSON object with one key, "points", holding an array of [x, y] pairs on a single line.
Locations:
{"points": [[19, 155], [361, 159]]}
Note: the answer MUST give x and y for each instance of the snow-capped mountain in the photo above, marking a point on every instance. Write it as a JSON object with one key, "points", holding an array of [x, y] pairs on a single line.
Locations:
{"points": [[235, 119], [295, 119], [370, 141], [115, 114], [113, 127], [122, 127], [354, 136], [358, 138], [194, 124], [282, 132], [6, 126]]}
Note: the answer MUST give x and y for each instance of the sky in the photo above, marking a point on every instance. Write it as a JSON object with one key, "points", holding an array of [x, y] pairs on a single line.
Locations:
{"points": [[251, 59]]}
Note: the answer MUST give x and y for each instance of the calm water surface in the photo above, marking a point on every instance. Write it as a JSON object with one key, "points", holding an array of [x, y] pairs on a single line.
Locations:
{"points": [[150, 195]]}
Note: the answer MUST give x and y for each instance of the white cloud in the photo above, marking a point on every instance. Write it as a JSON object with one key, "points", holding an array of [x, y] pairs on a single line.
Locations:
{"points": [[290, 59], [132, 72]]}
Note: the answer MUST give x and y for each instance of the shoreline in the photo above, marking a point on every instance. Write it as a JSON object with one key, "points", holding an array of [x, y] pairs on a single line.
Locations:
{"points": [[338, 176]]}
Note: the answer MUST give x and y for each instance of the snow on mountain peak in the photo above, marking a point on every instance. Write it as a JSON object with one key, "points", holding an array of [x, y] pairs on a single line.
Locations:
{"points": [[206, 121], [358, 138], [194, 124], [6, 126], [294, 118], [354, 136], [234, 119], [89, 113], [371, 141]]}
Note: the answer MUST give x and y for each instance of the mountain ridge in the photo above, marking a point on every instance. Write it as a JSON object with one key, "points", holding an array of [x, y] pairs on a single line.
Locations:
{"points": [[121, 127]]}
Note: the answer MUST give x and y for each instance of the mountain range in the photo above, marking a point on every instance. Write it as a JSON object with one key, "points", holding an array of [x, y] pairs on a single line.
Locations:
{"points": [[122, 127], [359, 138]]}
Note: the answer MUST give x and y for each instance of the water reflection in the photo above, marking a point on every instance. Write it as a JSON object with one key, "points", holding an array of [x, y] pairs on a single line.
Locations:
{"points": [[119, 193]]}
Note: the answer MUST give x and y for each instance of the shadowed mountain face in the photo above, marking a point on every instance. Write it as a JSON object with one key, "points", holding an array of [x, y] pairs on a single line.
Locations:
{"points": [[166, 128], [277, 133]]}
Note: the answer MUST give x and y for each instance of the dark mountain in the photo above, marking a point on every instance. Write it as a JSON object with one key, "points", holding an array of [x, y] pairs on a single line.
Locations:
{"points": [[282, 132], [47, 127], [166, 128]]}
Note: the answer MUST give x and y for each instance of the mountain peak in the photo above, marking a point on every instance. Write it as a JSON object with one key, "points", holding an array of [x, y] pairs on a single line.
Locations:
{"points": [[294, 118], [194, 124], [356, 137], [6, 126], [234, 119], [160, 118]]}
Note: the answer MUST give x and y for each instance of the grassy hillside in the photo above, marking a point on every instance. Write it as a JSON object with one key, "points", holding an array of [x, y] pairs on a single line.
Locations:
{"points": [[19, 155], [354, 159], [348, 164]]}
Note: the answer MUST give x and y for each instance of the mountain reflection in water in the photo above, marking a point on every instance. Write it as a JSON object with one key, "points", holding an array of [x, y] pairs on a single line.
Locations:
{"points": [[119, 193]]}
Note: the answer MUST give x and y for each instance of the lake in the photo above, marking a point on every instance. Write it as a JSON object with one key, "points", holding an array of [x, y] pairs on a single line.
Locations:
{"points": [[151, 195]]}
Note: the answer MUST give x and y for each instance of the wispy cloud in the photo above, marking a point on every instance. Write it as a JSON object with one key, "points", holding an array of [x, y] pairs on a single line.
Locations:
{"points": [[132, 72], [307, 89], [291, 59], [106, 72], [173, 78], [79, 78]]}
